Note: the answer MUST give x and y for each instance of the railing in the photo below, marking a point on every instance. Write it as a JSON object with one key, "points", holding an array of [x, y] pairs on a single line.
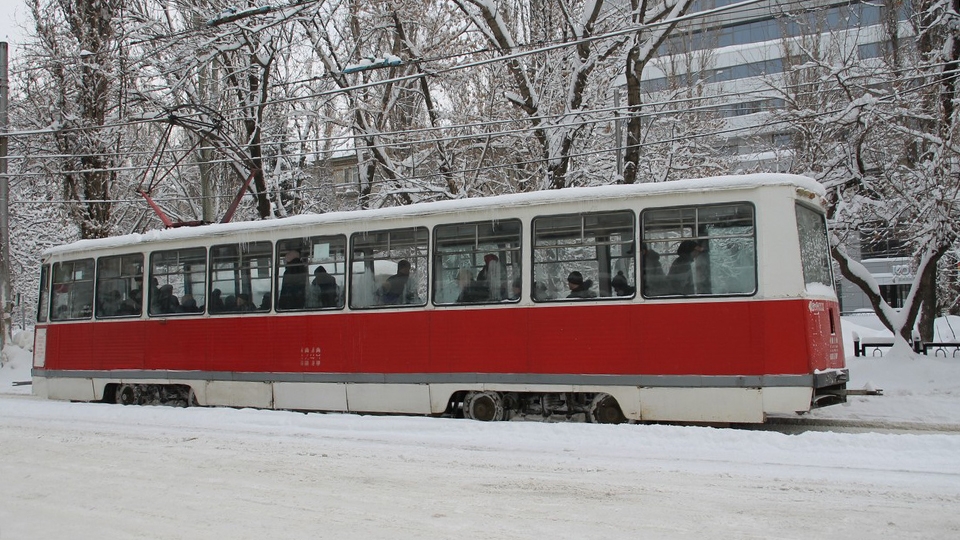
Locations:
{"points": [[878, 344]]}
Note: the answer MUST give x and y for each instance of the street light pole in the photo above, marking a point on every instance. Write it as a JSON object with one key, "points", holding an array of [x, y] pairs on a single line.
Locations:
{"points": [[5, 307]]}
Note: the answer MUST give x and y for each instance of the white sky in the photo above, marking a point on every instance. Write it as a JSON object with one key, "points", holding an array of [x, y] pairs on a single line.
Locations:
{"points": [[13, 16]]}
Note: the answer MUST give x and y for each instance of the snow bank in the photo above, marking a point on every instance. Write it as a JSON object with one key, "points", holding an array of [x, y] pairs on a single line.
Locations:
{"points": [[15, 363]]}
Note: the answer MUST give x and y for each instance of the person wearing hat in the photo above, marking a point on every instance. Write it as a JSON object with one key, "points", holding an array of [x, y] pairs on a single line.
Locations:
{"points": [[621, 286], [578, 287]]}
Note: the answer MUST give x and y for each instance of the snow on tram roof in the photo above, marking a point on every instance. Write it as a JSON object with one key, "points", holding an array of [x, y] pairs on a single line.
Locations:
{"points": [[578, 194]]}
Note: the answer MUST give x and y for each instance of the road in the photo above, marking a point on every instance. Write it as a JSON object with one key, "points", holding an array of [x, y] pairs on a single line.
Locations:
{"points": [[92, 471]]}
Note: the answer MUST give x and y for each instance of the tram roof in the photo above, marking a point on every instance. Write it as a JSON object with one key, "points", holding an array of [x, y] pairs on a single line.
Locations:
{"points": [[573, 194]]}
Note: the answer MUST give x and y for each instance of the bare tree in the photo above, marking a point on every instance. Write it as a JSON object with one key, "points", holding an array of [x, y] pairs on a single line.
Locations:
{"points": [[553, 89], [77, 90], [881, 135], [643, 49]]}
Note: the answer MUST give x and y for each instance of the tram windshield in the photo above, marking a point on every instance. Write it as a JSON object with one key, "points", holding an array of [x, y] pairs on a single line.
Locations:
{"points": [[814, 246]]}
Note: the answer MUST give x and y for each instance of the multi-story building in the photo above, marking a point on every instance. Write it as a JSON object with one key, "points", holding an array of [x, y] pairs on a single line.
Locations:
{"points": [[735, 64]]}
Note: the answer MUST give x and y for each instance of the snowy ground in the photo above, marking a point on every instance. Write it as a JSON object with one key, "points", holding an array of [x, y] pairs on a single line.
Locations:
{"points": [[79, 471]]}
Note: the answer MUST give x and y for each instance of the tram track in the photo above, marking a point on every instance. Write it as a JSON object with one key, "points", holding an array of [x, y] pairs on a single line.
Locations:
{"points": [[791, 425]]}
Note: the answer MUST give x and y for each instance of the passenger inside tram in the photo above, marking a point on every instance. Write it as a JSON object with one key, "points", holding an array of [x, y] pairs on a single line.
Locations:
{"points": [[216, 301], [470, 291], [131, 306], [294, 286], [579, 288], [681, 271], [167, 302], [396, 290], [620, 285], [188, 304], [323, 291], [653, 276], [490, 280]]}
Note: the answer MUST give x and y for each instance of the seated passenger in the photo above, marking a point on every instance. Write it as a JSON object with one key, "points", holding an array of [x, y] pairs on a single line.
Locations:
{"points": [[216, 301], [653, 277], [470, 290], [188, 304], [395, 290], [244, 303], [621, 287], [167, 302], [578, 287], [131, 306], [111, 304], [323, 290]]}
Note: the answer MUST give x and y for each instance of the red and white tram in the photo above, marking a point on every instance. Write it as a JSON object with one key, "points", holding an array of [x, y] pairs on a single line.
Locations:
{"points": [[703, 300]]}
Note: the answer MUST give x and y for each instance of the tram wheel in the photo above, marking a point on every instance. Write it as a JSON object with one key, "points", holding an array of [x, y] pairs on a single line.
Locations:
{"points": [[483, 406], [128, 394], [604, 409]]}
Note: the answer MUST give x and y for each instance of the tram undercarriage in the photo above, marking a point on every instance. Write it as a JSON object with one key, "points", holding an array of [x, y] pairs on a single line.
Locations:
{"points": [[485, 406], [494, 406]]}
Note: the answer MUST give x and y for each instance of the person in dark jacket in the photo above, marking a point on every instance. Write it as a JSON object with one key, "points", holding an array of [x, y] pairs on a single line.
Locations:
{"points": [[578, 287], [470, 290], [394, 291], [681, 271], [621, 286], [654, 279], [294, 287], [324, 289]]}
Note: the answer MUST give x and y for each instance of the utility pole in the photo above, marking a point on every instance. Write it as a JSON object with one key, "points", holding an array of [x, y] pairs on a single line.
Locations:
{"points": [[5, 305], [204, 152], [206, 88]]}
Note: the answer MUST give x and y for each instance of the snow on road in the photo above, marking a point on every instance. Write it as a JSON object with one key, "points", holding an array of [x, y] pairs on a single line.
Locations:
{"points": [[92, 471]]}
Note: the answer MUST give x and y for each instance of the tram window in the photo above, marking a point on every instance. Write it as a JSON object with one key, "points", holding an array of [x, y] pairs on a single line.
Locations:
{"points": [[72, 296], [699, 251], [43, 303], [240, 277], [596, 250], [477, 262], [120, 286], [814, 246], [311, 272], [177, 282], [388, 268]]}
